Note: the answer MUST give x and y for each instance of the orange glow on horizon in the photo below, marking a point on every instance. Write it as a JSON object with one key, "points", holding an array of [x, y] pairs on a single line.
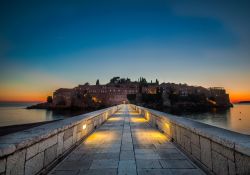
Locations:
{"points": [[30, 86], [239, 97], [20, 96], [15, 94], [21, 100]]}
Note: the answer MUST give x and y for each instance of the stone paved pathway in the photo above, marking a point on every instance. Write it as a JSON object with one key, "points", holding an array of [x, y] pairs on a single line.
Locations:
{"points": [[126, 144]]}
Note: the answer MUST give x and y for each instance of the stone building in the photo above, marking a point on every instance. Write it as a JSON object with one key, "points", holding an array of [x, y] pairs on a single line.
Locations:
{"points": [[117, 90], [63, 97], [219, 96], [108, 95], [150, 89]]}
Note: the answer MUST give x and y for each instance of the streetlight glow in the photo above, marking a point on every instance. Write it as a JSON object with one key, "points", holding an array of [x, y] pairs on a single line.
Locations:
{"points": [[84, 126]]}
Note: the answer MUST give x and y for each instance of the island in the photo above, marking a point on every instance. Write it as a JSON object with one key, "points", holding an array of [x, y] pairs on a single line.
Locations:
{"points": [[141, 92]]}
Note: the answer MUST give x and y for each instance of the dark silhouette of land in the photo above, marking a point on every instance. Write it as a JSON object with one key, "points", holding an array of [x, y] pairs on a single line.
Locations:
{"points": [[151, 94], [243, 102]]}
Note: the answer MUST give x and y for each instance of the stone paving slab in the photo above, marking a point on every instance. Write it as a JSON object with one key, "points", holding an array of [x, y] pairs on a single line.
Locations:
{"points": [[148, 164], [127, 155], [104, 164], [176, 164], [74, 165], [99, 172], [127, 167], [64, 172], [126, 144], [154, 172]]}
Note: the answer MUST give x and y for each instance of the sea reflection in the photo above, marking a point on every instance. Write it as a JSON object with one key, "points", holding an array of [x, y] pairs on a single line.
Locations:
{"points": [[236, 119], [14, 114], [239, 118]]}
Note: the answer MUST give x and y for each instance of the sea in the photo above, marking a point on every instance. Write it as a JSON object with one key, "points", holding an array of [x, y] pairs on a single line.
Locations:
{"points": [[235, 119], [15, 113]]}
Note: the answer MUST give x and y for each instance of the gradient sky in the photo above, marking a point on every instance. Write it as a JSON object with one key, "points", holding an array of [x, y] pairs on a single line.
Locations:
{"points": [[45, 45]]}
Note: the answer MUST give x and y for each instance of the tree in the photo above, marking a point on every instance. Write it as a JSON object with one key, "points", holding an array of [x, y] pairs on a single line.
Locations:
{"points": [[128, 80], [143, 80], [49, 99], [122, 81], [97, 82], [114, 80], [157, 82]]}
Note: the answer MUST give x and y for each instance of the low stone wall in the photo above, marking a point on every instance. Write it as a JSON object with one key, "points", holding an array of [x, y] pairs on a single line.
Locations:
{"points": [[217, 150], [35, 150]]}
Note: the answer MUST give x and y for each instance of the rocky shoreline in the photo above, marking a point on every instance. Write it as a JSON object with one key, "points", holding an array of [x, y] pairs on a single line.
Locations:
{"points": [[40, 106], [50, 106]]}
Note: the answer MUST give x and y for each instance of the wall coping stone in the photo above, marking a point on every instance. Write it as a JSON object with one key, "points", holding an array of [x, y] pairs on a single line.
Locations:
{"points": [[239, 142], [12, 142]]}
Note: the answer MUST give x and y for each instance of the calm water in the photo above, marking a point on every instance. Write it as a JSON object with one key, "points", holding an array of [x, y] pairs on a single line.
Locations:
{"points": [[235, 119], [15, 113]]}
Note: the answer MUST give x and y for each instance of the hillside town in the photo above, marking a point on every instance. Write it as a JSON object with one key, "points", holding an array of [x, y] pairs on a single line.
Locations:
{"points": [[140, 92]]}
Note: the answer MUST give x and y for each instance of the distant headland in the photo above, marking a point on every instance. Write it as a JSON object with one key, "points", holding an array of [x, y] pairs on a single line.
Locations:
{"points": [[140, 92], [243, 102]]}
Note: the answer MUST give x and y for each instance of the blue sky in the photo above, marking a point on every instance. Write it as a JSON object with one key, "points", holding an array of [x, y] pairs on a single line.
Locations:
{"points": [[46, 44]]}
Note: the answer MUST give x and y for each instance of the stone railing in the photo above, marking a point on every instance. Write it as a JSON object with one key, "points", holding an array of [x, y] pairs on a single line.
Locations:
{"points": [[38, 149], [216, 150]]}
